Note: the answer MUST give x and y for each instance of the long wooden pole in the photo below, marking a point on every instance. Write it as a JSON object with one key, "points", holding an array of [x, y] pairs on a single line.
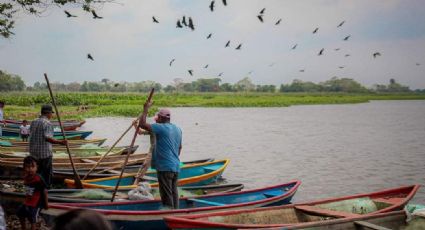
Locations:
{"points": [[78, 183], [142, 171], [136, 133], [109, 150]]}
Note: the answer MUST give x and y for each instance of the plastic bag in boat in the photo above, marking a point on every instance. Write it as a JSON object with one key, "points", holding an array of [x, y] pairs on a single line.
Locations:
{"points": [[142, 192]]}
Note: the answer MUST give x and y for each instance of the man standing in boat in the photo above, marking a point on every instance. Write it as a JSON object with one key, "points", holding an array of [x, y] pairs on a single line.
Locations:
{"points": [[40, 143], [165, 156]]}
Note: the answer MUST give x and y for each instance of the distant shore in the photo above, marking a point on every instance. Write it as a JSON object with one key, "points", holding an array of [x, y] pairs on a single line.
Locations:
{"points": [[84, 105]]}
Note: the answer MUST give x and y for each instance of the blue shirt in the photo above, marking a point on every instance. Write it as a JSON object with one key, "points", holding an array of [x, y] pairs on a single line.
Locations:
{"points": [[165, 156]]}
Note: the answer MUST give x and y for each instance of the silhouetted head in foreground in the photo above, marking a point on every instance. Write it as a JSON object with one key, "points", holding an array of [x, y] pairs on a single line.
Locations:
{"points": [[81, 219]]}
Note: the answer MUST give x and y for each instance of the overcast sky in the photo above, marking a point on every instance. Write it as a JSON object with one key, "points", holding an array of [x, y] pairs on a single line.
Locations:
{"points": [[128, 46]]}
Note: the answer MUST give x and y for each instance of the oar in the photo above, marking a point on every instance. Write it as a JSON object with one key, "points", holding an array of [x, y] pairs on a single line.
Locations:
{"points": [[142, 171], [136, 133], [76, 176], [109, 150]]}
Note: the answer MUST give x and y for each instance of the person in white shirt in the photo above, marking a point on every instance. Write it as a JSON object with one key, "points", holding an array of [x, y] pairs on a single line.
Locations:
{"points": [[24, 130]]}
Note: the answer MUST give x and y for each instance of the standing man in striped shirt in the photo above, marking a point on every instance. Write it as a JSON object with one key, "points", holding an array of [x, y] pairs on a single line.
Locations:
{"points": [[41, 140]]}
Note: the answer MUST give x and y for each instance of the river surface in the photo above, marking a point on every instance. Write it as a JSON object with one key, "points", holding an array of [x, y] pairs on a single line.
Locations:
{"points": [[334, 150]]}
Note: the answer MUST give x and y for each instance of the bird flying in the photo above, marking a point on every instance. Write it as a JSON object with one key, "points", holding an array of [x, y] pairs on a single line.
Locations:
{"points": [[260, 17], [315, 30], [184, 21], [347, 55], [301, 70], [228, 44], [239, 46], [209, 36], [262, 11], [346, 38], [95, 16], [220, 74], [179, 25], [190, 72], [154, 19], [376, 54], [206, 66], [212, 6], [321, 51], [69, 15], [191, 26], [341, 67], [225, 2], [90, 57], [278, 22], [295, 46], [337, 49], [171, 62], [340, 24]]}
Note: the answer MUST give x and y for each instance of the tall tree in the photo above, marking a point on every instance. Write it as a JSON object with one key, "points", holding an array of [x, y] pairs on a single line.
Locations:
{"points": [[9, 10]]}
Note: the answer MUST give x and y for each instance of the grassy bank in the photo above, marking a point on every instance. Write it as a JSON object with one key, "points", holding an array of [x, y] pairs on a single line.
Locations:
{"points": [[27, 105]]}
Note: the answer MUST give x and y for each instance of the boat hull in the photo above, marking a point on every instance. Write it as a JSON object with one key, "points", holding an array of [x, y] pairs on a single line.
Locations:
{"points": [[301, 214], [148, 214], [190, 175]]}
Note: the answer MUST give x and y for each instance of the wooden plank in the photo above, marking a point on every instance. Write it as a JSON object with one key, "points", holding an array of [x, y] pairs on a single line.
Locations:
{"points": [[325, 212], [370, 225]]}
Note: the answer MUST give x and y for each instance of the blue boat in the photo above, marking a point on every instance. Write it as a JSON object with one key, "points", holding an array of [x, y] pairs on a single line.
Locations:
{"points": [[190, 175], [149, 214], [14, 132]]}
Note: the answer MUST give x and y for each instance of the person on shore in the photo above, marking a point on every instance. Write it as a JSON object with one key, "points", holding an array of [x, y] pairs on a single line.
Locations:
{"points": [[165, 156], [40, 143], [24, 130], [2, 121], [35, 194]]}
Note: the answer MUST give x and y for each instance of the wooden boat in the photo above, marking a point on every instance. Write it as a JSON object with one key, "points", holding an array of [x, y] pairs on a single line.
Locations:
{"points": [[68, 125], [194, 174], [381, 221], [150, 214], [13, 198], [13, 169], [60, 152], [301, 214], [17, 142], [61, 175], [14, 132]]}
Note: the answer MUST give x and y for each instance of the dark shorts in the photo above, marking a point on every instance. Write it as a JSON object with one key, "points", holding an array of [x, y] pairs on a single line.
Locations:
{"points": [[25, 136], [29, 213]]}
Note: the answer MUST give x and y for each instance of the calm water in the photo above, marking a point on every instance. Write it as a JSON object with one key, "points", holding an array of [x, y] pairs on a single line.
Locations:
{"points": [[333, 149]]}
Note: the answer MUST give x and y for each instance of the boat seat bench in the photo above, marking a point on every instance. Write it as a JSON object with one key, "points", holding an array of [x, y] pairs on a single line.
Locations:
{"points": [[209, 169], [273, 193], [205, 202], [326, 212]]}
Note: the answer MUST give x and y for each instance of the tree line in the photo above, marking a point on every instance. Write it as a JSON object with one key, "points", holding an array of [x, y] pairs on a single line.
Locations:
{"points": [[11, 82]]}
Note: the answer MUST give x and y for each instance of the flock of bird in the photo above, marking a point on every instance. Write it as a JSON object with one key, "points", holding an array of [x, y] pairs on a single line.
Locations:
{"points": [[187, 22]]}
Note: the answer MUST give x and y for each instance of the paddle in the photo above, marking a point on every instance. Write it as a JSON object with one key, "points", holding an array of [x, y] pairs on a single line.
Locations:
{"points": [[141, 173], [136, 132], [78, 183]]}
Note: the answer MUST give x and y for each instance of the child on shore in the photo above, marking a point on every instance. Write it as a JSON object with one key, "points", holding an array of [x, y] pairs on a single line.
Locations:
{"points": [[24, 130], [35, 194]]}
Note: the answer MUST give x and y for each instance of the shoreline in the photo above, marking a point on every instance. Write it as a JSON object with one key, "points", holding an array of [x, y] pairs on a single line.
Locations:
{"points": [[91, 105]]}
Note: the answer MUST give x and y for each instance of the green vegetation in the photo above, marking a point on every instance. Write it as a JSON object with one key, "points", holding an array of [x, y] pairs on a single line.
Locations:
{"points": [[82, 105]]}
